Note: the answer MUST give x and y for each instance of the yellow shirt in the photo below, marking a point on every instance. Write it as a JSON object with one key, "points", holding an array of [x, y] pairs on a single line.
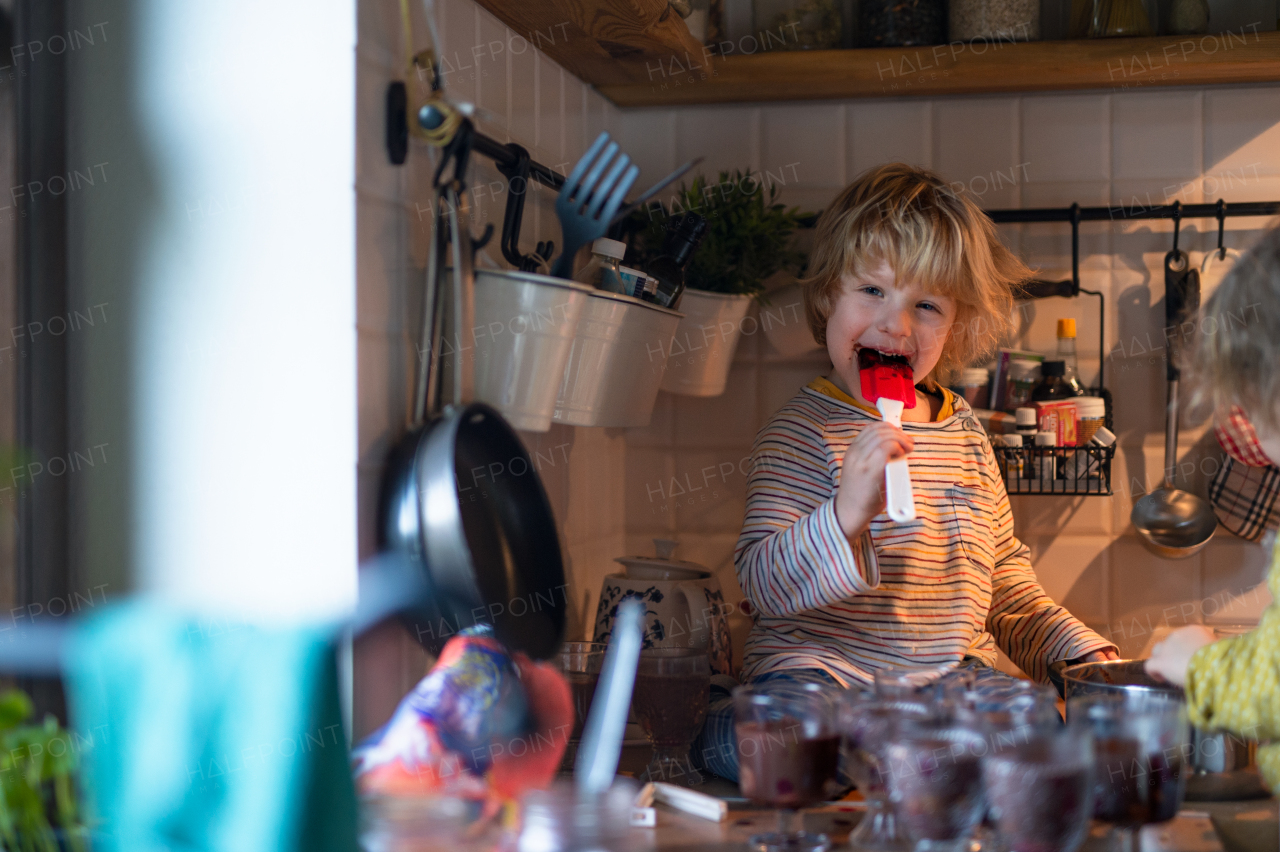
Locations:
{"points": [[826, 387], [1234, 684]]}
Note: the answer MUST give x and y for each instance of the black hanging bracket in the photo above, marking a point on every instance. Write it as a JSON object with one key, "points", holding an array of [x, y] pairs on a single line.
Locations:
{"points": [[516, 169], [1222, 226]]}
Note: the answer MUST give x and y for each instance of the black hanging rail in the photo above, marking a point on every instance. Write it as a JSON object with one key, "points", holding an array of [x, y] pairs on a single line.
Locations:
{"points": [[446, 128], [1075, 214], [1175, 210], [508, 156]]}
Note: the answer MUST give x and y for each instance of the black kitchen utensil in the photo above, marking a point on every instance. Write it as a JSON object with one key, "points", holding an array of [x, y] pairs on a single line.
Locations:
{"points": [[461, 499]]}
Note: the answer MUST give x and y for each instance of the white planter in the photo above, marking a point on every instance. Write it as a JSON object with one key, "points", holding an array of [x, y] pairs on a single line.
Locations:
{"points": [[784, 323], [525, 327], [703, 346], [617, 361]]}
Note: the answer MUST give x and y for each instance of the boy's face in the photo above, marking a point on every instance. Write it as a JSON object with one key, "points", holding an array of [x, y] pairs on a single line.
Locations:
{"points": [[877, 311]]}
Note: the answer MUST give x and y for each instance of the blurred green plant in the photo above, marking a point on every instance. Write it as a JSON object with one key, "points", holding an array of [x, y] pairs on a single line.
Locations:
{"points": [[37, 769], [13, 457], [748, 233]]}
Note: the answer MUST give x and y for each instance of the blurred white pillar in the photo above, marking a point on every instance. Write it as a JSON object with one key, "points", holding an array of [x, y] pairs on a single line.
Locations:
{"points": [[222, 238]]}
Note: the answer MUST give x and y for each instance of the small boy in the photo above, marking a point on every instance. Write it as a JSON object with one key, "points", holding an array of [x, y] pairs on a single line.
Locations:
{"points": [[1234, 684], [904, 266]]}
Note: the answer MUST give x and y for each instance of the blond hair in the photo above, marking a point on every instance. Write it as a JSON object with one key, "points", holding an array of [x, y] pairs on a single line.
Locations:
{"points": [[1237, 339], [928, 233]]}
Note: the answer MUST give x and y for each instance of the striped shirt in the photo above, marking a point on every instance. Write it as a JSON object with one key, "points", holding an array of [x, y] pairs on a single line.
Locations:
{"points": [[954, 582]]}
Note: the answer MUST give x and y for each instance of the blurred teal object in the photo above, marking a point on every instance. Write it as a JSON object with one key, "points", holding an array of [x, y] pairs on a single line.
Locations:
{"points": [[209, 735]]}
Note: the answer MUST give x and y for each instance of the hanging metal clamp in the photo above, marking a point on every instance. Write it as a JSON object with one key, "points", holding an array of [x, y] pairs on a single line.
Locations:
{"points": [[516, 171], [1222, 227], [1177, 260], [458, 153]]}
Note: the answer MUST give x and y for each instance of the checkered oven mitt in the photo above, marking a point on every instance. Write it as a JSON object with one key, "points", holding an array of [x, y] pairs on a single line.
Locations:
{"points": [[1237, 437], [1244, 490]]}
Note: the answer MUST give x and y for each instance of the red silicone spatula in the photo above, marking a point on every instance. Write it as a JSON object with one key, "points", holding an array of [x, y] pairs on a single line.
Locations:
{"points": [[887, 381]]}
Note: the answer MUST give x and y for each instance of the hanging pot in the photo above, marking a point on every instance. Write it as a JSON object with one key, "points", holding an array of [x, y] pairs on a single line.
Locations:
{"points": [[704, 343], [461, 498]]}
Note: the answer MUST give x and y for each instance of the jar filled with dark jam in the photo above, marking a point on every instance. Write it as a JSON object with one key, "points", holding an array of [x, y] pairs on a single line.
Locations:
{"points": [[901, 23]]}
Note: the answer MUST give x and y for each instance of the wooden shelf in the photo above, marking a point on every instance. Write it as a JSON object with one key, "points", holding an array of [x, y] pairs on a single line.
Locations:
{"points": [[640, 53], [1115, 64], [603, 42]]}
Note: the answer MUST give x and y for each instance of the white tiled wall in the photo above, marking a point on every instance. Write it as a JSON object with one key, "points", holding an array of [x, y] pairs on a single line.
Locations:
{"points": [[1191, 145], [618, 489], [521, 96]]}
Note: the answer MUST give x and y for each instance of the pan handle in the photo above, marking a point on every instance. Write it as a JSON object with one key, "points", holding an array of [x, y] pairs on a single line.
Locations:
{"points": [[463, 311], [427, 391]]}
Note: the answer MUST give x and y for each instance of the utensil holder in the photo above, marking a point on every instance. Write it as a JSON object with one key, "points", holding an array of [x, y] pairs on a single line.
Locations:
{"points": [[704, 342], [524, 330], [617, 361]]}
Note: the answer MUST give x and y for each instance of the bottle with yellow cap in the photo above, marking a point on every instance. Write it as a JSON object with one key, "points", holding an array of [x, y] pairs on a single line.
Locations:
{"points": [[1067, 354]]}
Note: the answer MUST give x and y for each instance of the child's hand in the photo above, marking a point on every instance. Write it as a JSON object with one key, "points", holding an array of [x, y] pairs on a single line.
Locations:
{"points": [[1169, 659], [1105, 655], [861, 494]]}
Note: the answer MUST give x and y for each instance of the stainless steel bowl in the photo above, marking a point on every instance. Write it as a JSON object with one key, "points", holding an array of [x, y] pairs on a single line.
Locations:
{"points": [[1223, 763]]}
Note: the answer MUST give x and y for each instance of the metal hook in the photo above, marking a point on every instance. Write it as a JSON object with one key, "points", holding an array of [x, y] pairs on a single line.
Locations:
{"points": [[459, 151], [1222, 222], [513, 216], [1177, 223]]}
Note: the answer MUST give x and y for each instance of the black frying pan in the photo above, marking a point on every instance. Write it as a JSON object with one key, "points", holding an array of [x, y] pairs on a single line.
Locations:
{"points": [[461, 498]]}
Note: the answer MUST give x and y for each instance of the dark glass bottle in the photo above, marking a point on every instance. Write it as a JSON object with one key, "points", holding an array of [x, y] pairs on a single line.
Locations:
{"points": [[1052, 386], [684, 232]]}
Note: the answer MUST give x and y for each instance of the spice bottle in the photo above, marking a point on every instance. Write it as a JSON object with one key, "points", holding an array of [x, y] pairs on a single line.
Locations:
{"points": [[1022, 378], [1025, 420], [1012, 457], [1067, 354], [603, 271], [1087, 461], [1051, 384], [683, 235], [1046, 463], [1092, 414]]}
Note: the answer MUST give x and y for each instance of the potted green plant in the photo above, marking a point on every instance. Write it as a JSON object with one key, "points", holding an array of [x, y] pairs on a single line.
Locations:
{"points": [[37, 783], [748, 239]]}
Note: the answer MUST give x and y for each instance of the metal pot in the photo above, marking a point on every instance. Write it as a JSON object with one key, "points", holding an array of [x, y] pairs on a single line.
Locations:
{"points": [[1223, 765]]}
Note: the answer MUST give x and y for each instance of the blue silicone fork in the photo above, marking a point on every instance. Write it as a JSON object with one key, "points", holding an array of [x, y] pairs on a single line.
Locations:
{"points": [[586, 205]]}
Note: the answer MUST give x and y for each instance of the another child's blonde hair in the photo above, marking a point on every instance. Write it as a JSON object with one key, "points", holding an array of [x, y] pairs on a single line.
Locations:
{"points": [[1237, 341], [928, 233]]}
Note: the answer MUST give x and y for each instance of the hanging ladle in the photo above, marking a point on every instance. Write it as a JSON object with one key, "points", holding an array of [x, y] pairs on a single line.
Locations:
{"points": [[1174, 523]]}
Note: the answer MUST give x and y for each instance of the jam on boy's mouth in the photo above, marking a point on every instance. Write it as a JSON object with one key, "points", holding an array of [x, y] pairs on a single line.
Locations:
{"points": [[882, 355]]}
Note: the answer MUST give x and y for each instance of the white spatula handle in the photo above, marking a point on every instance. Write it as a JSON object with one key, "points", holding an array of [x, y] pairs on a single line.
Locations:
{"points": [[899, 498], [601, 746]]}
